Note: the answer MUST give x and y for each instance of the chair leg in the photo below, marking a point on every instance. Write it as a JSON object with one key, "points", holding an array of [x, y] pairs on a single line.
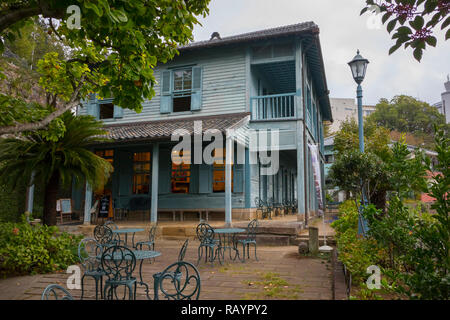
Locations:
{"points": [[243, 252], [256, 258], [82, 287], [199, 254]]}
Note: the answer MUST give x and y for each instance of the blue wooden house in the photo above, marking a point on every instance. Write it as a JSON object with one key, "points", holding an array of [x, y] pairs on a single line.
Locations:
{"points": [[264, 81]]}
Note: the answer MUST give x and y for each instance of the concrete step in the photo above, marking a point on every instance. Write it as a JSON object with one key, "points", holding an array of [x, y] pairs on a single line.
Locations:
{"points": [[330, 240]]}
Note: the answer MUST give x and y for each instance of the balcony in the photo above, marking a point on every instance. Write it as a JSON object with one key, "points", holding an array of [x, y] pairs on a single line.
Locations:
{"points": [[273, 107]]}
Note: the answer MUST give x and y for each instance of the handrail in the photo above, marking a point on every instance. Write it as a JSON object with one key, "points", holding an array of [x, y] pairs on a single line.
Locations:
{"points": [[273, 107]]}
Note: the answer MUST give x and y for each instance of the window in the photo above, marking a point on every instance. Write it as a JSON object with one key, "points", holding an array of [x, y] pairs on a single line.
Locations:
{"points": [[108, 155], [106, 110], [182, 86], [329, 158], [141, 172], [219, 171], [181, 90], [181, 173], [273, 51]]}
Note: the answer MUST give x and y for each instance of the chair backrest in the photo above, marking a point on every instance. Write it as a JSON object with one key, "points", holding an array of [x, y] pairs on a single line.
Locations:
{"points": [[88, 251], [56, 292], [183, 250], [103, 234], [251, 229], [118, 262], [152, 233], [205, 233], [111, 224], [179, 281]]}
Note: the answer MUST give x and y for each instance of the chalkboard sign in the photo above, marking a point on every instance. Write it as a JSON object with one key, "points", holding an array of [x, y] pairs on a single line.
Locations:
{"points": [[104, 207], [66, 205]]}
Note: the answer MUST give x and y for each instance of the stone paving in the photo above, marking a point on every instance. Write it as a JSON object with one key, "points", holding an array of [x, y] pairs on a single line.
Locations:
{"points": [[280, 273]]}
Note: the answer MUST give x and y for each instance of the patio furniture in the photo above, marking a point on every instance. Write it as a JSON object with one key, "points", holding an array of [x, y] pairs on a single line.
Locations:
{"points": [[205, 234], [88, 252], [118, 263], [183, 250], [56, 292], [105, 236], [126, 231], [179, 281], [271, 208], [250, 239], [150, 243], [262, 207], [227, 240]]}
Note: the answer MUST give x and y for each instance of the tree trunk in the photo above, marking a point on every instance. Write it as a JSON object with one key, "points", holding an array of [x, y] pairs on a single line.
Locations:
{"points": [[51, 194]]}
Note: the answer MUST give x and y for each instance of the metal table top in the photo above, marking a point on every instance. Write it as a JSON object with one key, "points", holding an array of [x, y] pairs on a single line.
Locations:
{"points": [[229, 230], [139, 254], [128, 230]]}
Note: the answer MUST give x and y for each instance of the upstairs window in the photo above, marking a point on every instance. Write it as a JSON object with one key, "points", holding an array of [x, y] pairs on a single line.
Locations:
{"points": [[182, 86], [181, 90], [106, 111]]}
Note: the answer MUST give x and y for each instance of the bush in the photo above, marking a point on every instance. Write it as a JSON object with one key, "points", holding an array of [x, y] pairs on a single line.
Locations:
{"points": [[26, 249], [356, 252]]}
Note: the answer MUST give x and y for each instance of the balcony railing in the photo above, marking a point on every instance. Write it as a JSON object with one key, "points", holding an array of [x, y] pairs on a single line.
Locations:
{"points": [[276, 107]]}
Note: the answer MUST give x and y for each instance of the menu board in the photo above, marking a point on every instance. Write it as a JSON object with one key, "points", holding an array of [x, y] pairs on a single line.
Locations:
{"points": [[104, 206]]}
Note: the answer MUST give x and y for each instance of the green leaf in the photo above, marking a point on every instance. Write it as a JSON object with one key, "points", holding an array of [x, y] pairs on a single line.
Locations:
{"points": [[446, 23], [418, 52], [363, 11], [431, 41], [391, 25], [394, 48], [447, 34], [417, 23]]}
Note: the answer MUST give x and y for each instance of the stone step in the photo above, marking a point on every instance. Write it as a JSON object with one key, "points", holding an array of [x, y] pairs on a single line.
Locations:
{"points": [[330, 240]]}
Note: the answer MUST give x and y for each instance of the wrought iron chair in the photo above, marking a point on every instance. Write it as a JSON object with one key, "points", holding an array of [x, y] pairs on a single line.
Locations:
{"points": [[118, 263], [56, 292], [250, 239], [150, 243], [183, 250], [205, 234], [88, 252], [111, 224], [262, 206], [271, 208], [105, 237], [179, 281]]}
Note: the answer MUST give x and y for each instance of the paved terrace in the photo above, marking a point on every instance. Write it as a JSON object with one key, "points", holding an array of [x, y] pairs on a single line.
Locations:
{"points": [[280, 273]]}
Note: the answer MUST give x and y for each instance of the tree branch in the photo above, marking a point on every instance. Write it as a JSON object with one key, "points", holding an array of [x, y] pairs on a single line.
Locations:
{"points": [[20, 127]]}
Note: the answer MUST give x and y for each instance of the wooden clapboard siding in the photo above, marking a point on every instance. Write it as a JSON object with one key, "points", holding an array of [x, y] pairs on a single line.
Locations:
{"points": [[223, 86]]}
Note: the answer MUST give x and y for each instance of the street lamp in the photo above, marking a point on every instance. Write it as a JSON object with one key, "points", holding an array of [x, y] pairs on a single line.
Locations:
{"points": [[358, 66]]}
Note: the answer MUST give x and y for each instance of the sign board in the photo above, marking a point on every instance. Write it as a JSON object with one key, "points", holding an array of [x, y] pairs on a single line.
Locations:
{"points": [[104, 206], [314, 150], [64, 205]]}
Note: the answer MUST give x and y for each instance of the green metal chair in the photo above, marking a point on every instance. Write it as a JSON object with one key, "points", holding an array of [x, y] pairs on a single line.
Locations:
{"points": [[111, 224], [150, 243], [88, 252], [56, 292], [179, 281], [205, 234], [118, 263], [250, 239], [105, 237]]}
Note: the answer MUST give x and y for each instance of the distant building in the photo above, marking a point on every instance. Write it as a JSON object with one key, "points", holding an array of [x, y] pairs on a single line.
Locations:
{"points": [[443, 106], [343, 108]]}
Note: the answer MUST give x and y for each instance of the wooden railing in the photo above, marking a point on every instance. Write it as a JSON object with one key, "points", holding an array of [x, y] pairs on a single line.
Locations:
{"points": [[276, 107]]}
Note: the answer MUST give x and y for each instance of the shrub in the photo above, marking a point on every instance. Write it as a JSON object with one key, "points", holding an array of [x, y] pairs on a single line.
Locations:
{"points": [[26, 249]]}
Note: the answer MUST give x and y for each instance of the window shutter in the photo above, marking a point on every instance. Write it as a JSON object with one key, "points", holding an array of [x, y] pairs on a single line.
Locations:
{"points": [[238, 178], [205, 178], [196, 96], [118, 112], [93, 109], [164, 171], [166, 96]]}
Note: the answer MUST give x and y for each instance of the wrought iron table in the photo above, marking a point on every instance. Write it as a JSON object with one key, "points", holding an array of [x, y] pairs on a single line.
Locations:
{"points": [[227, 240], [126, 231], [141, 255]]}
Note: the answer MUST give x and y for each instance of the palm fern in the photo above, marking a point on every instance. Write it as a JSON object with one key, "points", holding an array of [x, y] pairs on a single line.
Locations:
{"points": [[55, 163]]}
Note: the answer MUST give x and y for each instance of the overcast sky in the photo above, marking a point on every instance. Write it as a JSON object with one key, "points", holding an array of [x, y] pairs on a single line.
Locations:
{"points": [[342, 31]]}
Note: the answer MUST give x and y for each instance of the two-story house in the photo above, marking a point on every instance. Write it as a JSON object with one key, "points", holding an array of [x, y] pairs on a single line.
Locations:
{"points": [[270, 81]]}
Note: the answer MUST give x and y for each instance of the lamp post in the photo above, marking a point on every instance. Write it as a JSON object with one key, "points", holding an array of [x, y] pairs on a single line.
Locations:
{"points": [[358, 66]]}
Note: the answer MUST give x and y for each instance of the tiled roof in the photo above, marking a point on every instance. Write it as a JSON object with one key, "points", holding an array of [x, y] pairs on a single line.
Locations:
{"points": [[163, 129], [257, 35]]}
